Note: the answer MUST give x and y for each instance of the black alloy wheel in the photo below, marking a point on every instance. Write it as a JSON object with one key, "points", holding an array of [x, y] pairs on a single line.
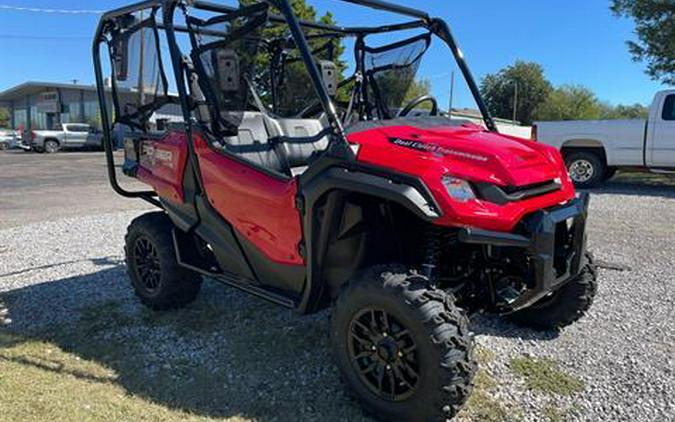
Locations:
{"points": [[156, 276], [384, 354], [147, 266]]}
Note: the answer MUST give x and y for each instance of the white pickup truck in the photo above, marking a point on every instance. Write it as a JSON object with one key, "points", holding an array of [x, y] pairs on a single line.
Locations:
{"points": [[594, 150]]}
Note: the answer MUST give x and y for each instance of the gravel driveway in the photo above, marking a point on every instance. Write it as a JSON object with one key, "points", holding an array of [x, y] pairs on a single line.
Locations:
{"points": [[623, 351]]}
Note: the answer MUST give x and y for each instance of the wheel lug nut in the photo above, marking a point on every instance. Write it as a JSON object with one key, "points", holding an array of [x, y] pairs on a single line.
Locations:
{"points": [[373, 348], [388, 367]]}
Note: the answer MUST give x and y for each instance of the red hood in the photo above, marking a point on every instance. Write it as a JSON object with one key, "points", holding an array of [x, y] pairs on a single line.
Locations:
{"points": [[473, 154], [468, 152]]}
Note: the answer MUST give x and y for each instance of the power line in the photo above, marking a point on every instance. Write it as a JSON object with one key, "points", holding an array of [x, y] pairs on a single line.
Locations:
{"points": [[52, 11], [43, 37]]}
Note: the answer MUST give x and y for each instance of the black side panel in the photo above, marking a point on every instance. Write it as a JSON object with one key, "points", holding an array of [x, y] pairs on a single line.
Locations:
{"points": [[218, 233], [289, 279], [317, 228], [184, 216], [360, 182]]}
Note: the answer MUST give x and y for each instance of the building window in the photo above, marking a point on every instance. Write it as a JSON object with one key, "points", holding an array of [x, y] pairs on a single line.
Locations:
{"points": [[20, 119], [92, 114], [70, 113], [38, 119]]}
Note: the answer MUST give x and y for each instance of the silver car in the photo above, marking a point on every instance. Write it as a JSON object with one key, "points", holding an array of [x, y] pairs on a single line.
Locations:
{"points": [[8, 139]]}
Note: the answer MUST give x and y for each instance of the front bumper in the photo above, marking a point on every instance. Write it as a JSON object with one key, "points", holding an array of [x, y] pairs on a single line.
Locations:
{"points": [[554, 260]]}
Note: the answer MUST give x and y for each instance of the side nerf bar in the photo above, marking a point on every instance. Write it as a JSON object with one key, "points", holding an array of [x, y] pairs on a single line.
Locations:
{"points": [[541, 247]]}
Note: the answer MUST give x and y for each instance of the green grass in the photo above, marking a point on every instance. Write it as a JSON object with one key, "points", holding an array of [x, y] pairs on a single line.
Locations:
{"points": [[481, 405], [232, 358], [645, 178], [545, 376], [121, 362]]}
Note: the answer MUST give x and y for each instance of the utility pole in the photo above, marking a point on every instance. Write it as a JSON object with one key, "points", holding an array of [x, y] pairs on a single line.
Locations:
{"points": [[515, 102], [452, 93]]}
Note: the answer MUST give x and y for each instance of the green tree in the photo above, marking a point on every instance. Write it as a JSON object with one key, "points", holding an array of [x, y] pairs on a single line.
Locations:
{"points": [[4, 117], [655, 28], [635, 111], [499, 90], [417, 89], [570, 102], [296, 90]]}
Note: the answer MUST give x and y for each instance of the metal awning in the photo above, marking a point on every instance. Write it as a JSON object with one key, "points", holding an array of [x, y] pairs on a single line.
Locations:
{"points": [[32, 88]]}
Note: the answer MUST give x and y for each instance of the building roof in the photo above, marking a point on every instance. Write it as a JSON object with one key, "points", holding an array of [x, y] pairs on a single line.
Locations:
{"points": [[32, 88]]}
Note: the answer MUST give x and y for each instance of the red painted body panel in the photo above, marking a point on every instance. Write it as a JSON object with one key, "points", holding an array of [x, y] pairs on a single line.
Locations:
{"points": [[260, 207], [473, 154], [263, 209], [162, 165]]}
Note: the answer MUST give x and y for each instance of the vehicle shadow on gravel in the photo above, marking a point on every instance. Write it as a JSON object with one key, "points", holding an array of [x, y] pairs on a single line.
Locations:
{"points": [[228, 355], [639, 184], [500, 326]]}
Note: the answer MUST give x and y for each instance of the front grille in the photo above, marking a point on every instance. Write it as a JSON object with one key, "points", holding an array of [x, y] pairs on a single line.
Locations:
{"points": [[512, 190], [503, 195]]}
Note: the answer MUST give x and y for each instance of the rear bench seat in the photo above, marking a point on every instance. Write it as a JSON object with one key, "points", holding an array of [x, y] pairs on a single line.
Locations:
{"points": [[291, 157], [253, 143], [298, 153]]}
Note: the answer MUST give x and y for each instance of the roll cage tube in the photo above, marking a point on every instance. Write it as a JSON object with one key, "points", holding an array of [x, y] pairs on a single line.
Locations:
{"points": [[342, 149], [148, 196], [435, 25]]}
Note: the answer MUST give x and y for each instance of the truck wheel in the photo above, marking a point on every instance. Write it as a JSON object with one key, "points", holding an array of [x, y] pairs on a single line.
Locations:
{"points": [[51, 146], [4, 146], [564, 307], [155, 275], [586, 169], [404, 350]]}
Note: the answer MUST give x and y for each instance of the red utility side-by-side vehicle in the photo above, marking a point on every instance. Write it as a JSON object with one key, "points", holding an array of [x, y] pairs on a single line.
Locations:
{"points": [[310, 189]]}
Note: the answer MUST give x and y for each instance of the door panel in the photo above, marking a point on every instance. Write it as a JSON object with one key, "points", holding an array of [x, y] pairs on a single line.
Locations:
{"points": [[260, 207], [76, 136], [662, 135]]}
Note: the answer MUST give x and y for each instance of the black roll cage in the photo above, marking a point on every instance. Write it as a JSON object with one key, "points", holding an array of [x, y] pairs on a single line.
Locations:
{"points": [[338, 146]]}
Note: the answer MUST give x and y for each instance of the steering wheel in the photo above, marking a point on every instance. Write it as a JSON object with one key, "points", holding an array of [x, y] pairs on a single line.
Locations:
{"points": [[417, 101]]}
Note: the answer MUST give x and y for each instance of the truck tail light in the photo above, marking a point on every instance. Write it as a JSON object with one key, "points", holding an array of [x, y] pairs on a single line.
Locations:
{"points": [[534, 133]]}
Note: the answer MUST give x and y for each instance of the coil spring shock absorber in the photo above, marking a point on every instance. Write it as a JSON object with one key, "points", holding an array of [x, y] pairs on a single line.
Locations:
{"points": [[433, 243]]}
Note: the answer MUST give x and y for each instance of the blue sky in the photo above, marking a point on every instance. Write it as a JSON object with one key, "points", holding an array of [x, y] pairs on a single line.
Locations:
{"points": [[577, 41]]}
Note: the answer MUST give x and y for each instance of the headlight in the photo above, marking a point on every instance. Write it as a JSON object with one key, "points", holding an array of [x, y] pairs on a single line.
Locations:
{"points": [[458, 189]]}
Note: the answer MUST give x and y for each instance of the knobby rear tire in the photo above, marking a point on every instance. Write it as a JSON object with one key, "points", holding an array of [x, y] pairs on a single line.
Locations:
{"points": [[174, 287]]}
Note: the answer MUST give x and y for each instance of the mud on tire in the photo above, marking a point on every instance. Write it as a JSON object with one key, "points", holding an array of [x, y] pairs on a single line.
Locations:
{"points": [[430, 338], [567, 305], [155, 275]]}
